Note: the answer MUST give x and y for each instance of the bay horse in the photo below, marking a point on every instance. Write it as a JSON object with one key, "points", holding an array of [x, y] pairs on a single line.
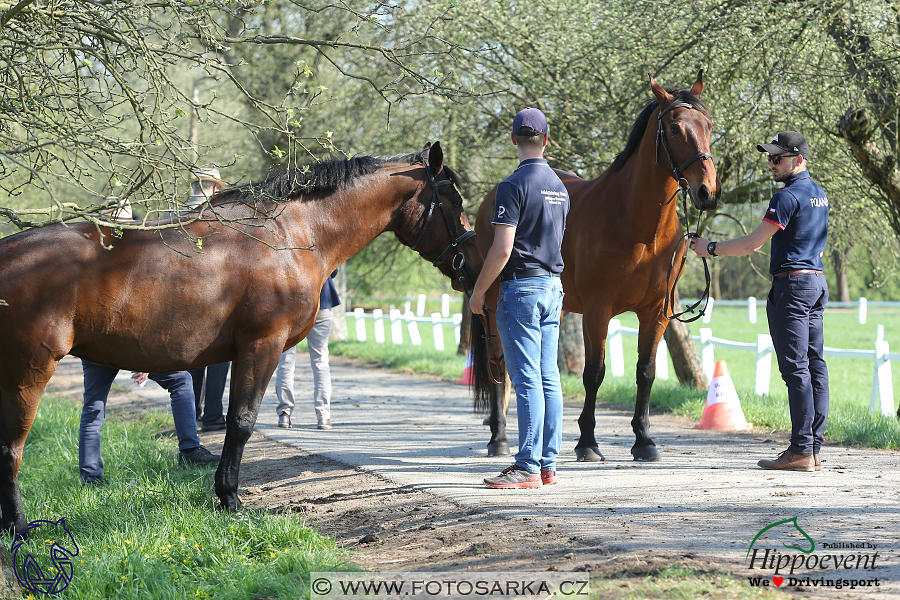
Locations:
{"points": [[159, 301], [621, 234]]}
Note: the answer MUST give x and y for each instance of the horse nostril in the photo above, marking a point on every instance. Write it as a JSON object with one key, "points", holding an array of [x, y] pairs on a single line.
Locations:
{"points": [[704, 195]]}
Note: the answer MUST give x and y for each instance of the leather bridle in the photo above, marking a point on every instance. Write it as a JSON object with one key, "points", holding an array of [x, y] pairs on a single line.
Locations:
{"points": [[677, 171]]}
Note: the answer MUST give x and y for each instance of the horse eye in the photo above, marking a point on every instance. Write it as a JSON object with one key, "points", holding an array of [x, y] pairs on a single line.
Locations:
{"points": [[674, 129]]}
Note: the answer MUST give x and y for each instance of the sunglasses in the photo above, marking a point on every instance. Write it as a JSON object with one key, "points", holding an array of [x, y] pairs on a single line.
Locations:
{"points": [[776, 160]]}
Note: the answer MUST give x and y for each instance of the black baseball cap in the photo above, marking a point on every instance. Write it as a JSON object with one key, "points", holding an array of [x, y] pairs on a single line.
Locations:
{"points": [[787, 141], [532, 120]]}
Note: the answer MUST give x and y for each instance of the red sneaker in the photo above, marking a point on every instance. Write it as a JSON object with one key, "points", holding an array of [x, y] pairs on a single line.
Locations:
{"points": [[548, 477]]}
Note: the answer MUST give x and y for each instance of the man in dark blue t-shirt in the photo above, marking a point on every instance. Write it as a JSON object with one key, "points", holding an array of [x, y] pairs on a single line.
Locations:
{"points": [[797, 222], [529, 221]]}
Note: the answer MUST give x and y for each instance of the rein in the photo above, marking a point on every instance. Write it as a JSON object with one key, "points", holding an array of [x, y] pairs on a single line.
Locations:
{"points": [[685, 189]]}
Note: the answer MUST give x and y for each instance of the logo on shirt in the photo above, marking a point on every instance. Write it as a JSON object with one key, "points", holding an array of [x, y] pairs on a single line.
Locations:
{"points": [[500, 211], [772, 210], [817, 202]]}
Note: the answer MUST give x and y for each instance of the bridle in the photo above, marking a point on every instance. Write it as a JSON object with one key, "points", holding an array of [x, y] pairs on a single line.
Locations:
{"points": [[685, 189], [459, 260]]}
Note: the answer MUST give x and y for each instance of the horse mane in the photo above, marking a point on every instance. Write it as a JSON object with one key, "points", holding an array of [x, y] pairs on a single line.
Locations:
{"points": [[327, 176], [643, 119]]}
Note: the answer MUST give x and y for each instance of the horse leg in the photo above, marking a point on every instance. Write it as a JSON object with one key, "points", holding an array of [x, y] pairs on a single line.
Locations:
{"points": [[250, 375], [595, 326], [649, 334], [17, 412], [499, 444]]}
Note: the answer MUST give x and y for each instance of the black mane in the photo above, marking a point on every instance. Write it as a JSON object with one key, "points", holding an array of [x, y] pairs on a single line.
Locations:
{"points": [[321, 177], [640, 125]]}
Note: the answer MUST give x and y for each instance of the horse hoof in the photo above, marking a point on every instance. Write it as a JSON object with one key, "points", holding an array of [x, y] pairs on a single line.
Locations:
{"points": [[645, 453], [498, 449], [591, 454], [487, 421]]}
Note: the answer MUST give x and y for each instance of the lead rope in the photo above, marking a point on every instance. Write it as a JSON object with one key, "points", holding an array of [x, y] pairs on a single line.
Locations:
{"points": [[670, 284]]}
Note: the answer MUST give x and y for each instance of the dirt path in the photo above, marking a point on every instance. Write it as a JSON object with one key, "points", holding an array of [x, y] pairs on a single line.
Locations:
{"points": [[398, 482]]}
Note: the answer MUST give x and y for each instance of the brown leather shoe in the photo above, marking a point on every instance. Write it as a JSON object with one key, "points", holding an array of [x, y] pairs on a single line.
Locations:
{"points": [[818, 462], [788, 461]]}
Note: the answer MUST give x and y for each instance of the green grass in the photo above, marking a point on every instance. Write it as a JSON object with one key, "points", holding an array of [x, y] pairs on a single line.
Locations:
{"points": [[155, 531], [677, 582], [849, 422]]}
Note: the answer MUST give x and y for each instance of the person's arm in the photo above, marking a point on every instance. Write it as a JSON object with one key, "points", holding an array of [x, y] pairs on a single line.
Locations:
{"points": [[496, 259], [746, 244]]}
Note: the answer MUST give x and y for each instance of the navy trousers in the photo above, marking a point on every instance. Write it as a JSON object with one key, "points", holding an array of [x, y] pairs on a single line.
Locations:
{"points": [[209, 403], [97, 382], [794, 308]]}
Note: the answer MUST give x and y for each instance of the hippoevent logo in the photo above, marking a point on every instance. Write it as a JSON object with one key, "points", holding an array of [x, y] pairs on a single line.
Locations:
{"points": [[805, 567], [30, 550]]}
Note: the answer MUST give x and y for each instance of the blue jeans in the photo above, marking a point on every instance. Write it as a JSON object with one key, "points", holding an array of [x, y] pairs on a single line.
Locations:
{"points": [[97, 382], [528, 315], [794, 309], [211, 400]]}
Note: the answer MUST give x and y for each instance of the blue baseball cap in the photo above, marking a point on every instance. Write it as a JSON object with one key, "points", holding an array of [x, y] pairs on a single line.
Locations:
{"points": [[529, 122]]}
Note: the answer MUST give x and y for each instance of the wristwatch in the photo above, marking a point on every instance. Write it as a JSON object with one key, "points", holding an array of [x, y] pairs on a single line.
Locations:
{"points": [[711, 249]]}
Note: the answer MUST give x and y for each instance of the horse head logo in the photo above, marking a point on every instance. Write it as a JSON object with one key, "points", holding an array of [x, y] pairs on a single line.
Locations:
{"points": [[792, 521], [28, 570]]}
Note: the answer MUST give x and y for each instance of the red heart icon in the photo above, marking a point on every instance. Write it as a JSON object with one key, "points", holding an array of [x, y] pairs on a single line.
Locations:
{"points": [[778, 580]]}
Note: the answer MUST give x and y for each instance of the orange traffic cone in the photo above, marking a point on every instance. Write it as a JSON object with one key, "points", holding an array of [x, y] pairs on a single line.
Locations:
{"points": [[723, 407], [467, 377]]}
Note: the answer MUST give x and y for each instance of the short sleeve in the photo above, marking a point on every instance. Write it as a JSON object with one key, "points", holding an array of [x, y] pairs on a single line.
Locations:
{"points": [[507, 205], [781, 209]]}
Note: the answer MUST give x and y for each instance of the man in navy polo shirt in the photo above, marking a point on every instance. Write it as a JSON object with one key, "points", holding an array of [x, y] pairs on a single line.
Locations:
{"points": [[529, 220], [797, 222]]}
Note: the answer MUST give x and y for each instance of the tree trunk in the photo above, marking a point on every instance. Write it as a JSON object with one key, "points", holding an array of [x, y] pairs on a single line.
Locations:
{"points": [[839, 258], [9, 584], [570, 355], [339, 322], [465, 327], [685, 359]]}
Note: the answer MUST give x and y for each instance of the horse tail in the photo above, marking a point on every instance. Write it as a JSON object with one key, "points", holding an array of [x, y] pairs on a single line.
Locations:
{"points": [[482, 383]]}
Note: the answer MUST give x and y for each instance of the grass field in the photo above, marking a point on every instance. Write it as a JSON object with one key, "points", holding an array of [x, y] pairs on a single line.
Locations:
{"points": [[156, 531], [850, 421]]}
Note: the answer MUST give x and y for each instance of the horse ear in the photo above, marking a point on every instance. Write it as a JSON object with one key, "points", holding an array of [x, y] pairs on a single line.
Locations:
{"points": [[436, 157], [662, 96], [697, 88]]}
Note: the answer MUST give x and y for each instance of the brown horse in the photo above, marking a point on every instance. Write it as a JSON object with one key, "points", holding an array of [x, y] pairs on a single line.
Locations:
{"points": [[156, 302], [621, 234]]}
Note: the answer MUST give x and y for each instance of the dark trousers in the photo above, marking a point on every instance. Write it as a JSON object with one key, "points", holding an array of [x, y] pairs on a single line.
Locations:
{"points": [[794, 308], [209, 402], [97, 382]]}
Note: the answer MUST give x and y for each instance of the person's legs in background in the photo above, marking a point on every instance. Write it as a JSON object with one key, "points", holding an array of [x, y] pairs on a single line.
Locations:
{"points": [[97, 382], [321, 370], [284, 386], [180, 386]]}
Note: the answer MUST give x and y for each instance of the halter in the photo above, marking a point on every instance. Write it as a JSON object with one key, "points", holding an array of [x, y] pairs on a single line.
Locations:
{"points": [[677, 171], [458, 260]]}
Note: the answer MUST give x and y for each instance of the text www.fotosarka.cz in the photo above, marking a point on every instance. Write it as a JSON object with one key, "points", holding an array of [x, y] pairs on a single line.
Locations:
{"points": [[460, 584]]}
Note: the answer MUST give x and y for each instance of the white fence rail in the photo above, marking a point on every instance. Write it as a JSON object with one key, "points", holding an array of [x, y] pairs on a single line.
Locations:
{"points": [[882, 396], [396, 321], [862, 305]]}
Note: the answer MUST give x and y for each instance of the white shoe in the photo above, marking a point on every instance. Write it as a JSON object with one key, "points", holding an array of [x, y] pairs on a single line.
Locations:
{"points": [[284, 421]]}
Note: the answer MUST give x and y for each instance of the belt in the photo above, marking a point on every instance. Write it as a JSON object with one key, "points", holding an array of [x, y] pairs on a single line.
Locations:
{"points": [[797, 272], [526, 273]]}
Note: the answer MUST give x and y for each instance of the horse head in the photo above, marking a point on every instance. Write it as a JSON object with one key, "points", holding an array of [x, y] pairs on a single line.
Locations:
{"points": [[683, 135], [440, 227]]}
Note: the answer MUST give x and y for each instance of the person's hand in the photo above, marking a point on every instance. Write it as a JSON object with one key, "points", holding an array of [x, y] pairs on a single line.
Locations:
{"points": [[476, 303], [139, 378], [698, 245]]}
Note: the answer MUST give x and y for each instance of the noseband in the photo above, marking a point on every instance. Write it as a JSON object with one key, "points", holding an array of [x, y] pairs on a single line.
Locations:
{"points": [[458, 260], [677, 171]]}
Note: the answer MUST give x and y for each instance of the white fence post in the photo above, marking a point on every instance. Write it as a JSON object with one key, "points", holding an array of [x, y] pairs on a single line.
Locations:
{"points": [[420, 305], [751, 308], [707, 312], [413, 329], [707, 352], [358, 314], [662, 360], [377, 314], [445, 305], [882, 382], [437, 331], [764, 350], [457, 323], [862, 311], [614, 348], [396, 327]]}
